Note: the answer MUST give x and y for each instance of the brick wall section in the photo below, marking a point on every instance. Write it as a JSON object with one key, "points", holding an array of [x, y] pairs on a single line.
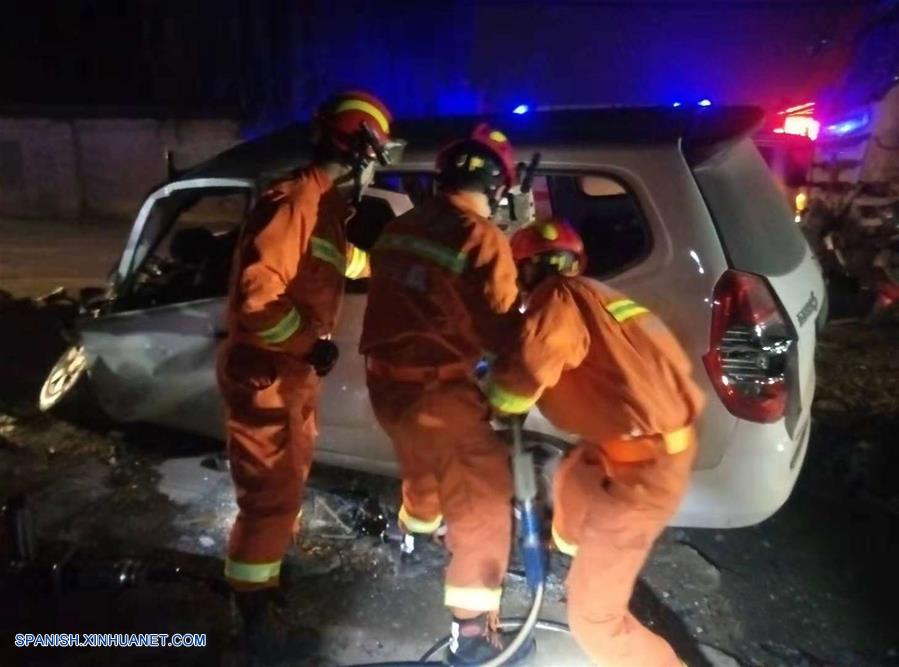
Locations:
{"points": [[38, 173], [97, 168]]}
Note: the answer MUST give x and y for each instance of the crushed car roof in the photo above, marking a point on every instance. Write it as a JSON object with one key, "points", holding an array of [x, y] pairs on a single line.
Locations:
{"points": [[703, 126]]}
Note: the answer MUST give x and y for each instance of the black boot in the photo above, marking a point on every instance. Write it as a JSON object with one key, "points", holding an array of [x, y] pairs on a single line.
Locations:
{"points": [[417, 551], [269, 638], [476, 640]]}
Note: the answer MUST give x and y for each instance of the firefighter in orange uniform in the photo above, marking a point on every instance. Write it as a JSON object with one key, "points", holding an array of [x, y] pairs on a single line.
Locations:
{"points": [[442, 294], [287, 283], [604, 367]]}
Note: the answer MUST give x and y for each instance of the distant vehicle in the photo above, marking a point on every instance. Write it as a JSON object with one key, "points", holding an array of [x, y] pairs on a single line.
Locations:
{"points": [[852, 215], [676, 207]]}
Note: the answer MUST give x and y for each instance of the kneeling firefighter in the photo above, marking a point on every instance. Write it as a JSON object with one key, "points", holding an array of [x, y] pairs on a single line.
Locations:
{"points": [[442, 293], [284, 299], [604, 367]]}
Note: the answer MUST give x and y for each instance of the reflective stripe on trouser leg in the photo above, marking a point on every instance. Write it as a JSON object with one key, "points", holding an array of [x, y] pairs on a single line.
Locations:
{"points": [[270, 438], [420, 511], [566, 547], [475, 493], [473, 599], [255, 549], [469, 463], [416, 525], [252, 573]]}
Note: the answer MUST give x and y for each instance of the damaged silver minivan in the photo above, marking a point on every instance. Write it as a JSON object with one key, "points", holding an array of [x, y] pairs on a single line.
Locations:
{"points": [[676, 207]]}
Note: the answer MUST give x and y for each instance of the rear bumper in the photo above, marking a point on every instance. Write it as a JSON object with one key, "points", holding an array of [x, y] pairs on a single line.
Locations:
{"points": [[753, 479]]}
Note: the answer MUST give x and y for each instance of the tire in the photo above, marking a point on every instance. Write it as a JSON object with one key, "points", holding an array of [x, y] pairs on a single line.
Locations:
{"points": [[66, 376]]}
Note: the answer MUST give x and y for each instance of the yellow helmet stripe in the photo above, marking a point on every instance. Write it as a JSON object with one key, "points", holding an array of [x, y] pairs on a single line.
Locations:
{"points": [[548, 231], [365, 107]]}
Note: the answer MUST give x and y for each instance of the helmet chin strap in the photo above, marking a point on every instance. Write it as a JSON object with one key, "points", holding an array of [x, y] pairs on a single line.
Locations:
{"points": [[492, 200], [366, 144], [358, 168], [357, 164]]}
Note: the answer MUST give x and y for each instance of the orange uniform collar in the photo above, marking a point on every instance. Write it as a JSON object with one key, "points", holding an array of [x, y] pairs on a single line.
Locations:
{"points": [[467, 202], [322, 180]]}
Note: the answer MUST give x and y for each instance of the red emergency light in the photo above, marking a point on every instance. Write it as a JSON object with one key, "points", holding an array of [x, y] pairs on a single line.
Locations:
{"points": [[799, 121]]}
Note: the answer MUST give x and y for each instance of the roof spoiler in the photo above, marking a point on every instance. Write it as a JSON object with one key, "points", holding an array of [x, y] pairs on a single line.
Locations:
{"points": [[710, 134]]}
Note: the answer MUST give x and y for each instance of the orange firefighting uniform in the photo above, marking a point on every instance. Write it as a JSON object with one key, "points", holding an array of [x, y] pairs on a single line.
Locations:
{"points": [[441, 296], [286, 292], [604, 367]]}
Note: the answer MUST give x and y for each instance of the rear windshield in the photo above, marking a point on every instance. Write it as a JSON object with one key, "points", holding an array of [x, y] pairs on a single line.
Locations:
{"points": [[752, 214]]}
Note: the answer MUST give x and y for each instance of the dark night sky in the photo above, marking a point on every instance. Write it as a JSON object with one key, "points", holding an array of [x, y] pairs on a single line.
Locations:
{"points": [[269, 61]]}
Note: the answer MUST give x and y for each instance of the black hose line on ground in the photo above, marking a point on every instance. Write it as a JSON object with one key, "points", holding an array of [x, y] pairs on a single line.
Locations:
{"points": [[504, 624]]}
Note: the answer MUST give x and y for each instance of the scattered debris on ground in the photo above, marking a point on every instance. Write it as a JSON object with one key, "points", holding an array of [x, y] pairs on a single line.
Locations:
{"points": [[814, 586]]}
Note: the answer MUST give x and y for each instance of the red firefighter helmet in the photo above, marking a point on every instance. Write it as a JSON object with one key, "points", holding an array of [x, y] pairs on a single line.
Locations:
{"points": [[354, 122], [468, 154], [550, 240]]}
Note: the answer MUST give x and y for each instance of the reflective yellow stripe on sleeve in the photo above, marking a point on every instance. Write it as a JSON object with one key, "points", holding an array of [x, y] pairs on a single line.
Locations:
{"points": [[252, 573], [328, 252], [473, 599], [624, 309], [284, 329], [414, 525], [506, 401], [357, 264]]}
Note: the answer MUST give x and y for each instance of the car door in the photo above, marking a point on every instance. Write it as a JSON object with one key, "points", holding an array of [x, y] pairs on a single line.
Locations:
{"points": [[157, 363], [151, 356]]}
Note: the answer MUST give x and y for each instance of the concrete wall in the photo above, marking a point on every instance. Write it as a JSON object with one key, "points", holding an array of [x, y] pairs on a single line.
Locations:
{"points": [[97, 167]]}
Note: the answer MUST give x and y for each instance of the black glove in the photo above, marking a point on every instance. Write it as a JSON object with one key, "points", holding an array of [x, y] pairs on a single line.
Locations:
{"points": [[323, 356]]}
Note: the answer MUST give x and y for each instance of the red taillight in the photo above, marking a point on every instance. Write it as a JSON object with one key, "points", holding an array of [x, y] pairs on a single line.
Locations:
{"points": [[750, 345]]}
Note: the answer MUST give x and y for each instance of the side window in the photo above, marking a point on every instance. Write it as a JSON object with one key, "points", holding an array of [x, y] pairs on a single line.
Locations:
{"points": [[605, 213], [601, 208], [190, 258], [418, 186]]}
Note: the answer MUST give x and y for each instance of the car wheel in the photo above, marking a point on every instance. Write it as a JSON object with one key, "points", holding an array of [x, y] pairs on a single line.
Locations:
{"points": [[63, 378]]}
